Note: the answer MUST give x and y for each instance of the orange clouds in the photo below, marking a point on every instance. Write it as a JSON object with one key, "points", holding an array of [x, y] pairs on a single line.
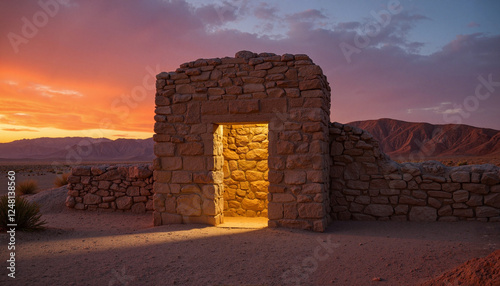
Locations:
{"points": [[30, 102], [91, 67]]}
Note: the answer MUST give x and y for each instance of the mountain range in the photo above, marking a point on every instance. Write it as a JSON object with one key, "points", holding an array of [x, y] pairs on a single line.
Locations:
{"points": [[402, 139], [397, 139], [78, 149]]}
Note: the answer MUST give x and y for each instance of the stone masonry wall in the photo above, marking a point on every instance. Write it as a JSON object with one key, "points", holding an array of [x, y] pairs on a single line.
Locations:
{"points": [[367, 185], [245, 170], [288, 92], [120, 187]]}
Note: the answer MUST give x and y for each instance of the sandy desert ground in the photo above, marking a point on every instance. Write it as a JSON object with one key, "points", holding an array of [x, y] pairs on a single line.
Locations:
{"points": [[99, 248]]}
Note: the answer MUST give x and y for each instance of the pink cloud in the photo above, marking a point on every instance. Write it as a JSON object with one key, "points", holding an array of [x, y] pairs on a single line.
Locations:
{"points": [[109, 44], [473, 25], [309, 14]]}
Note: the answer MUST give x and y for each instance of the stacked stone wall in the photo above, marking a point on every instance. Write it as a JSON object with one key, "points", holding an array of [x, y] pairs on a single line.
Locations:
{"points": [[316, 170], [245, 170], [120, 187], [288, 92], [367, 185]]}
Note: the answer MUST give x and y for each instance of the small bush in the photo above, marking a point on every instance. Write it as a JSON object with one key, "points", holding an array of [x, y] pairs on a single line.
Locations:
{"points": [[61, 180], [26, 187], [462, 163], [27, 214]]}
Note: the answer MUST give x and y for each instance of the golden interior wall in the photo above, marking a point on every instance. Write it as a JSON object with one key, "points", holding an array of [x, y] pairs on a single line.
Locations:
{"points": [[245, 150]]}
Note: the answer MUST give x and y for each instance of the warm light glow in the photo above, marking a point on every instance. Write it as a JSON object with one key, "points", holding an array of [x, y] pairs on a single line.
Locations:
{"points": [[245, 152]]}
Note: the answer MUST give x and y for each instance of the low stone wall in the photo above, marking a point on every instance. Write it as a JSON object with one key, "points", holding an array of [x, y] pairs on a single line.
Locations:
{"points": [[245, 170], [367, 185], [120, 187]]}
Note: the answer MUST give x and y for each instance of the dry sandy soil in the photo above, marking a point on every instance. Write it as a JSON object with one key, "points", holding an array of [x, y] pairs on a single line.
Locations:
{"points": [[97, 248], [43, 174]]}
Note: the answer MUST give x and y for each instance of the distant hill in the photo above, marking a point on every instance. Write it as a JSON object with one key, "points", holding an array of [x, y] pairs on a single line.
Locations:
{"points": [[397, 139], [78, 148], [400, 138]]}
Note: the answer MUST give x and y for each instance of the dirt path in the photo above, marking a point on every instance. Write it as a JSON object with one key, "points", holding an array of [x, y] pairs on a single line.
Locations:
{"points": [[91, 248]]}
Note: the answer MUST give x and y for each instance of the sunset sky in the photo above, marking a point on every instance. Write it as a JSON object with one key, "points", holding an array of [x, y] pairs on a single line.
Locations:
{"points": [[86, 68]]}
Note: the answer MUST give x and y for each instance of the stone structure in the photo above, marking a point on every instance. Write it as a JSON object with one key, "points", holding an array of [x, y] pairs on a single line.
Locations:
{"points": [[245, 170], [121, 187], [288, 93], [367, 185], [250, 136]]}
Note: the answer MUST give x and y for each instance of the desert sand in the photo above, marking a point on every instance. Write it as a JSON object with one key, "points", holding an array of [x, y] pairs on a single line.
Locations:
{"points": [[113, 248]]}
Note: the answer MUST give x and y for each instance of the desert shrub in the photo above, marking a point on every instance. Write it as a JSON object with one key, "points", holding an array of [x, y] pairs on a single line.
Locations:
{"points": [[26, 187], [27, 214], [462, 163], [61, 180]]}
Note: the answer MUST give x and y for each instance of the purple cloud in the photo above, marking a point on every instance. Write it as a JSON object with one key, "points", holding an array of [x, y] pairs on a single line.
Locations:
{"points": [[473, 25]]}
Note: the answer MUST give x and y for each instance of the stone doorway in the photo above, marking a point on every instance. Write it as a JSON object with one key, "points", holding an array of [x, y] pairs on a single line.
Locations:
{"points": [[245, 167], [195, 103]]}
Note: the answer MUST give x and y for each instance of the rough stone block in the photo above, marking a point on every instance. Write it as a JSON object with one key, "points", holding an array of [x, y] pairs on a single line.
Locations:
{"points": [[138, 208], [463, 212], [460, 177], [430, 186], [359, 185], [275, 211], [295, 177], [476, 188], [214, 108], [460, 196], [423, 214], [81, 171], [171, 163], [435, 203], [490, 178], [379, 210], [450, 187], [397, 184], [133, 191], [439, 194], [91, 199], [244, 106], [283, 198], [401, 209], [412, 201], [182, 177], [487, 212], [189, 205], [190, 148], [445, 211], [492, 200], [124, 203], [311, 210], [475, 200]]}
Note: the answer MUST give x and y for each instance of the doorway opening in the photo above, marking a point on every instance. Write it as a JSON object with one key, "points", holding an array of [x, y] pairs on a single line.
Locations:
{"points": [[245, 154]]}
